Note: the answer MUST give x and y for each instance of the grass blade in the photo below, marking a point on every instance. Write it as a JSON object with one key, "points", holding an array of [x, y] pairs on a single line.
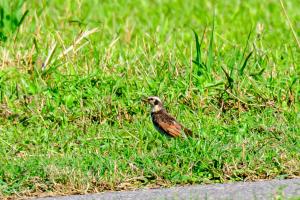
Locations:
{"points": [[210, 50], [198, 61], [247, 43], [22, 18], [50, 55], [290, 24], [245, 63], [229, 79]]}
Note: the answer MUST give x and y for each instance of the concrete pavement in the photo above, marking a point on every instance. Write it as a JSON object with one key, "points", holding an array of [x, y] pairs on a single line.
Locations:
{"points": [[274, 189]]}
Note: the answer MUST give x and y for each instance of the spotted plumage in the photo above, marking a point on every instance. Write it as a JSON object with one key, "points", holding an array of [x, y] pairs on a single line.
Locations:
{"points": [[164, 122]]}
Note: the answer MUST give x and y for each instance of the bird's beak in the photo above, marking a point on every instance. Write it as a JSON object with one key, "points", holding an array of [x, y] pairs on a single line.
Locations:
{"points": [[145, 100]]}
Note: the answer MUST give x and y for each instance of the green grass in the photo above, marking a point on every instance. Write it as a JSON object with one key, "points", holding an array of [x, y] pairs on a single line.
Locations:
{"points": [[80, 126]]}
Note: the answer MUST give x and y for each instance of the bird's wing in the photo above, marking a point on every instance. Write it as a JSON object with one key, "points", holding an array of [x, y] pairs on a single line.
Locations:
{"points": [[172, 128]]}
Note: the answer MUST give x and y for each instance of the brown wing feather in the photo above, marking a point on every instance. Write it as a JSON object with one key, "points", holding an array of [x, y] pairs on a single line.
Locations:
{"points": [[166, 123], [171, 129]]}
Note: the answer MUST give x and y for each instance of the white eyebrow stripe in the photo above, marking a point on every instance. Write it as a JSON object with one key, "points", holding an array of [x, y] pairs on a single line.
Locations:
{"points": [[155, 98]]}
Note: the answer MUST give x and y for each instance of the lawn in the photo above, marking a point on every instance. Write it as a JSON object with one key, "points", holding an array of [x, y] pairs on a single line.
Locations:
{"points": [[73, 75]]}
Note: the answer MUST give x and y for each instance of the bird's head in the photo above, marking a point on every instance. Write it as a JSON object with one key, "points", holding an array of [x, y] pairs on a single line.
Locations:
{"points": [[155, 102]]}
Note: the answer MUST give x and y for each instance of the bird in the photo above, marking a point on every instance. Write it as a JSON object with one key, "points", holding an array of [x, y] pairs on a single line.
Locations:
{"points": [[164, 122]]}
